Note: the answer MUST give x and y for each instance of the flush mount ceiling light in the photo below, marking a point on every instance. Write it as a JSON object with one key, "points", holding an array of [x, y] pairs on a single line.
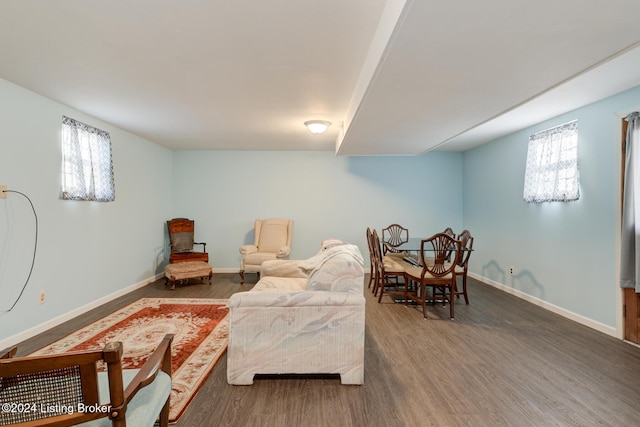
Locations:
{"points": [[317, 126]]}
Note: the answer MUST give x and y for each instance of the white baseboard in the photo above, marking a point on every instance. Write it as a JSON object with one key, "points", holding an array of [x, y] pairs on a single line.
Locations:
{"points": [[601, 327], [38, 329]]}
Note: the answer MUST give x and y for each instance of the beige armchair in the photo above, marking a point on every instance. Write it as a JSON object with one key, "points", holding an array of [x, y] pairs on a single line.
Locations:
{"points": [[272, 241]]}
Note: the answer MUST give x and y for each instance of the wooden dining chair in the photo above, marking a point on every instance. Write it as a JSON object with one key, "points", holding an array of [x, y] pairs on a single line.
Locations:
{"points": [[462, 266], [389, 273], [393, 236], [372, 267], [435, 272], [449, 231]]}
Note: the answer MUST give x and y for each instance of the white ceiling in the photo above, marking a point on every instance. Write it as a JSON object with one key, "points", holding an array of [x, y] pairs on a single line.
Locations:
{"points": [[395, 77]]}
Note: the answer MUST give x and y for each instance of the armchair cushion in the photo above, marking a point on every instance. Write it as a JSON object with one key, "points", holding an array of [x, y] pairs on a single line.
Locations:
{"points": [[273, 237], [248, 249], [257, 258]]}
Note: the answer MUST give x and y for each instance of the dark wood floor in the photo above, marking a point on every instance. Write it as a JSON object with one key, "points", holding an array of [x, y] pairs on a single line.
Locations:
{"points": [[501, 362]]}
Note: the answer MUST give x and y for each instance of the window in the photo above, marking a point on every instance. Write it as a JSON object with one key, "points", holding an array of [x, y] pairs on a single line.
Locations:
{"points": [[552, 165], [87, 169]]}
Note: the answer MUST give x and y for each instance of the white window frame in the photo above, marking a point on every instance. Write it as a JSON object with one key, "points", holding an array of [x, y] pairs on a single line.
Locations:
{"points": [[87, 166], [552, 173]]}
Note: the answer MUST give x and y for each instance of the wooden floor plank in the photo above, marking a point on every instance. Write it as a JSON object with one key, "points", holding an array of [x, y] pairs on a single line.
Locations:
{"points": [[501, 362]]}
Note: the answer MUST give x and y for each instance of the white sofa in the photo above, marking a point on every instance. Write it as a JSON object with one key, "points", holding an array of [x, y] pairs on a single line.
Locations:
{"points": [[302, 317]]}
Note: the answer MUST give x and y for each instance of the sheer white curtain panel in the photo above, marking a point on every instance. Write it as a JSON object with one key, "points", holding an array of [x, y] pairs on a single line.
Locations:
{"points": [[87, 167], [552, 165]]}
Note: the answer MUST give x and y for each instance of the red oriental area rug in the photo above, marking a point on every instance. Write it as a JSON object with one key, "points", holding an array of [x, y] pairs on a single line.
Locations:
{"points": [[200, 328]]}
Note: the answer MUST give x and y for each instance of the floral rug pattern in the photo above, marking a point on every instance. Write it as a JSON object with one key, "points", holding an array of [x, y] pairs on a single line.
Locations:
{"points": [[200, 328]]}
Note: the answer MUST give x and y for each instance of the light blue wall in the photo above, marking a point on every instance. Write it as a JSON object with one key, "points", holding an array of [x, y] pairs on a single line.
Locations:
{"points": [[563, 253], [86, 250], [325, 195]]}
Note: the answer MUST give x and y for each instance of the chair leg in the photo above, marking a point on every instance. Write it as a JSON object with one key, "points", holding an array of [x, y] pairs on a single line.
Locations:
{"points": [[385, 281], [464, 289], [382, 283], [457, 293], [242, 277], [451, 298], [423, 291], [406, 291], [164, 415], [376, 284]]}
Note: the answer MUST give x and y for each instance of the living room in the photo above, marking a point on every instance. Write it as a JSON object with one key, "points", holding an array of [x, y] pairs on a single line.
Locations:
{"points": [[88, 252], [565, 256]]}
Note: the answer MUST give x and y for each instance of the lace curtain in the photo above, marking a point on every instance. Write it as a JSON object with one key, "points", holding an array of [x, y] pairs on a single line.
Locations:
{"points": [[87, 168], [630, 238], [552, 165]]}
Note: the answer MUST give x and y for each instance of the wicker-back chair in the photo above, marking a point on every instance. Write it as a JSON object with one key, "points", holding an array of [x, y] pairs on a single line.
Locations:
{"points": [[67, 389]]}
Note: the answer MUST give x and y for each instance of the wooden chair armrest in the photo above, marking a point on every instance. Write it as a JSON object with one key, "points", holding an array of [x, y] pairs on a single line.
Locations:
{"points": [[204, 245], [160, 359], [8, 353]]}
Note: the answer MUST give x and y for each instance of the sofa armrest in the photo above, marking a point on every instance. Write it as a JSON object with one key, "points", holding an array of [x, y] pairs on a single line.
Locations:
{"points": [[295, 299]]}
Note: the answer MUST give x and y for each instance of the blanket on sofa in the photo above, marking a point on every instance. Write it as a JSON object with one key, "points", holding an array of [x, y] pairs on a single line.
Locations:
{"points": [[331, 266]]}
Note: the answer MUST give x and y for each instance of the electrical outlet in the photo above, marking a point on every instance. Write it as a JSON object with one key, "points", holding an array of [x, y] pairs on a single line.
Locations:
{"points": [[511, 271], [41, 297], [3, 195]]}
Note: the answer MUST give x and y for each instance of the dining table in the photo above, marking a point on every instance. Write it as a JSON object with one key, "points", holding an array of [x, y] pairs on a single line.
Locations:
{"points": [[413, 245]]}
